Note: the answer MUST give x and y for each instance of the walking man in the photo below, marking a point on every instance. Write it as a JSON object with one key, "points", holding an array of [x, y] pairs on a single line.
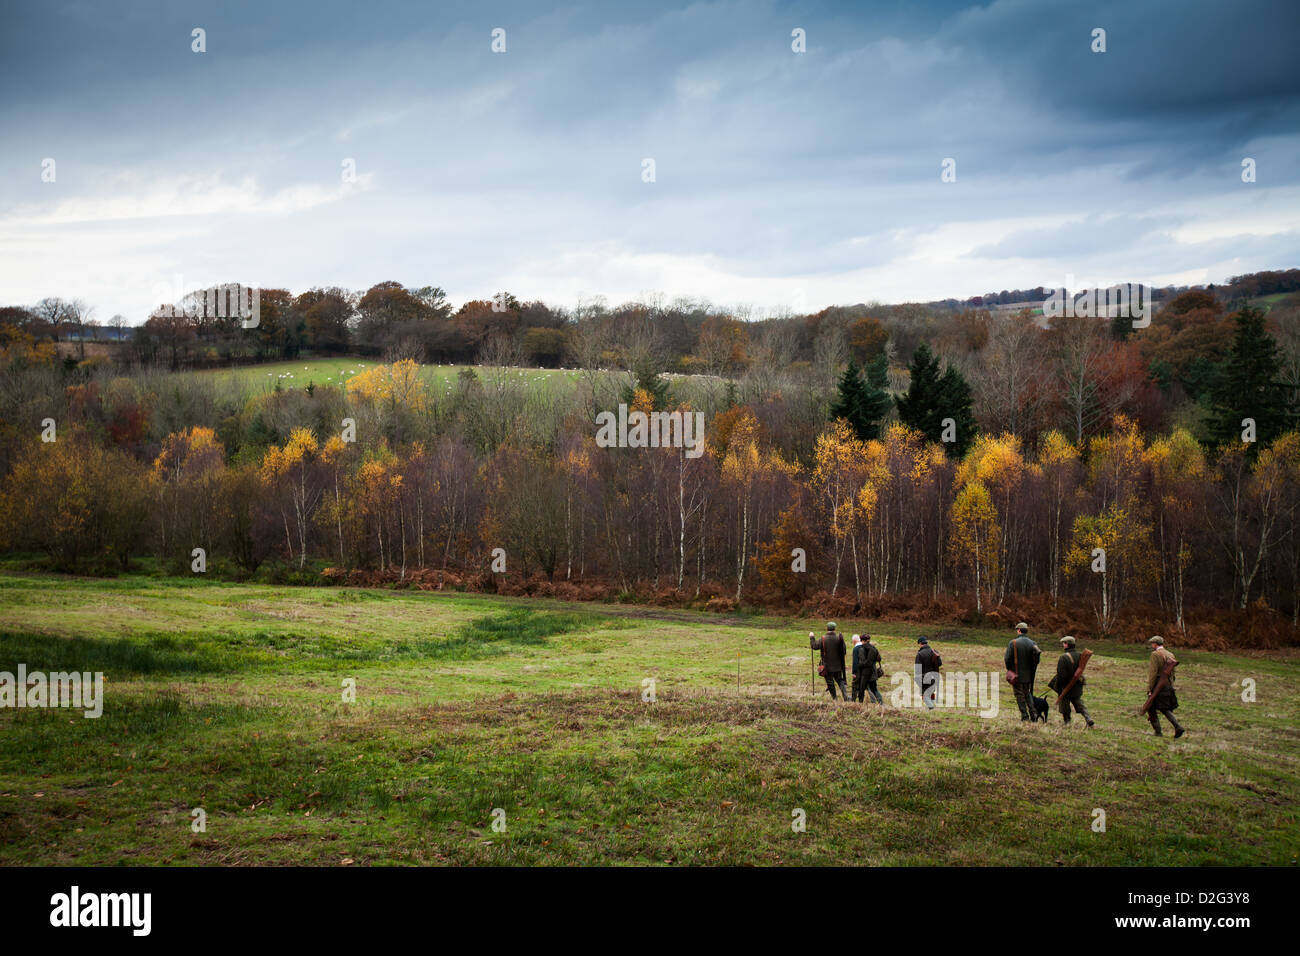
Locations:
{"points": [[926, 670], [832, 664], [1161, 698], [1021, 660], [1065, 670], [866, 660]]}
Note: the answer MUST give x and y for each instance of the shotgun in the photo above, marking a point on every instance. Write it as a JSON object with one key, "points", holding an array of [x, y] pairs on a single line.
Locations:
{"points": [[1078, 673], [1161, 683]]}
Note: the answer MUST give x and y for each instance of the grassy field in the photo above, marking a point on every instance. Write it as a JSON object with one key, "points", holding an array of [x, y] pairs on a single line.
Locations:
{"points": [[229, 697], [440, 379], [1267, 302]]}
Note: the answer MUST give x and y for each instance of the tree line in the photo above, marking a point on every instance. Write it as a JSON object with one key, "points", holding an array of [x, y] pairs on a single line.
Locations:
{"points": [[916, 393], [943, 480]]}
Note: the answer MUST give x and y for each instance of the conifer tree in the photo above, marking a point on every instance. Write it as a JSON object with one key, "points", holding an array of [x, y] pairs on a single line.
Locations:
{"points": [[848, 398], [863, 403], [647, 380], [1249, 385], [920, 407], [956, 403], [875, 399], [932, 397]]}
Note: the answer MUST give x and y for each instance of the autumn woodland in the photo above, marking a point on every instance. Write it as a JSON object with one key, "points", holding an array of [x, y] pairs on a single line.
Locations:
{"points": [[949, 462]]}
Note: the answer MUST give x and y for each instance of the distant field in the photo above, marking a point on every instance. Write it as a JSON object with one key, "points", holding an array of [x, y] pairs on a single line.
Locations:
{"points": [[336, 371], [228, 697], [1267, 302]]}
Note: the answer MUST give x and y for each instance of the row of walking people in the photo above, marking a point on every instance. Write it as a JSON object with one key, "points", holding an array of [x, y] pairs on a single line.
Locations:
{"points": [[1021, 661]]}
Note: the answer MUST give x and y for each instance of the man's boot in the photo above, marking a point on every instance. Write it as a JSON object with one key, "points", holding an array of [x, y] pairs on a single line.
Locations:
{"points": [[1178, 728], [1155, 725], [1083, 711]]}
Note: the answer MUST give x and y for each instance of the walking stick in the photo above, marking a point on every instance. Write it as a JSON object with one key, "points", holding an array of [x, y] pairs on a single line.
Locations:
{"points": [[812, 659]]}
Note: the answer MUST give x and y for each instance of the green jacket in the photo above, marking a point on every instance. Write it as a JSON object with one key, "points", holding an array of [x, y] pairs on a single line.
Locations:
{"points": [[1024, 652], [832, 648], [1065, 668]]}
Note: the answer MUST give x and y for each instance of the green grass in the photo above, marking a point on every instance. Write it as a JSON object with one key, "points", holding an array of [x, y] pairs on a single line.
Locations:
{"points": [[1267, 302], [229, 697], [440, 379]]}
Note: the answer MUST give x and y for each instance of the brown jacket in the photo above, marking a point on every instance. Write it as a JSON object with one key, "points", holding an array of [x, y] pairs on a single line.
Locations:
{"points": [[1159, 658]]}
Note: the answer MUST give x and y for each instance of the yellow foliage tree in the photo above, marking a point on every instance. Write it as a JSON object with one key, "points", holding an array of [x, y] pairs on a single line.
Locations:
{"points": [[393, 386], [378, 493], [839, 476], [288, 472], [998, 463], [187, 475], [1178, 470], [1058, 462], [973, 542], [335, 456], [1115, 546], [745, 467]]}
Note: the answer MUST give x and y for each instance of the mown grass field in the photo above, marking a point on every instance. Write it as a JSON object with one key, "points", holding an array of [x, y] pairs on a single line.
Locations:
{"points": [[256, 379], [1267, 302], [228, 697]]}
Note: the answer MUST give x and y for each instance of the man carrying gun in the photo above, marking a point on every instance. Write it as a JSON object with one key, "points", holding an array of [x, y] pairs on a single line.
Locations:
{"points": [[1069, 680], [1161, 698]]}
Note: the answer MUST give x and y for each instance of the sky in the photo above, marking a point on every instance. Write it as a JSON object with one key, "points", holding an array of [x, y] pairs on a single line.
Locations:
{"points": [[345, 143]]}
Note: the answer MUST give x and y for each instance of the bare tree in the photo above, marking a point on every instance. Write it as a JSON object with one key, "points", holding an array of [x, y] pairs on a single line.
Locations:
{"points": [[830, 352], [640, 336], [590, 342], [773, 351], [1082, 357], [56, 314], [1010, 385], [495, 408], [1284, 320]]}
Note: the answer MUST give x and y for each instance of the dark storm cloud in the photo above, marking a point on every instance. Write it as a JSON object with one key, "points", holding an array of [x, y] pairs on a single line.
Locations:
{"points": [[772, 167]]}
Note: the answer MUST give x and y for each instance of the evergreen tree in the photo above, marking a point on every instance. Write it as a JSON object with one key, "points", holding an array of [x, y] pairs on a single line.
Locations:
{"points": [[849, 396], [958, 402], [919, 408], [931, 397], [863, 404], [876, 401], [647, 380], [1249, 385]]}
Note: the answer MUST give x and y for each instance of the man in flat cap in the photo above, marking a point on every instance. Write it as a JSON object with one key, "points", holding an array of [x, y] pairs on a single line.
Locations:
{"points": [[1160, 687], [832, 664], [926, 671], [866, 659], [1021, 659], [1065, 670]]}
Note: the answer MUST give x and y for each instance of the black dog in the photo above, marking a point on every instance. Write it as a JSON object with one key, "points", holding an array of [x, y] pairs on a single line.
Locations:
{"points": [[1038, 709]]}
